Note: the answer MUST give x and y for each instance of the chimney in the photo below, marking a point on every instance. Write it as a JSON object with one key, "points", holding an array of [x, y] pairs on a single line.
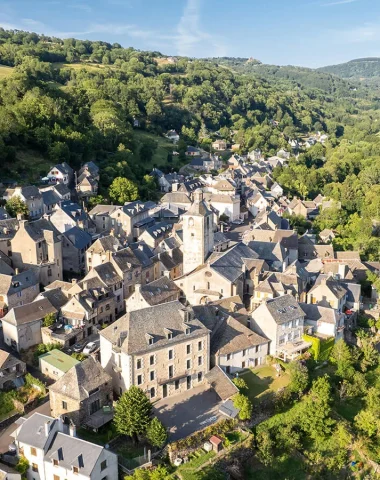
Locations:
{"points": [[324, 280], [17, 271], [175, 187], [112, 232], [138, 288], [74, 281], [342, 270], [72, 430], [167, 274], [222, 227], [60, 423], [47, 428]]}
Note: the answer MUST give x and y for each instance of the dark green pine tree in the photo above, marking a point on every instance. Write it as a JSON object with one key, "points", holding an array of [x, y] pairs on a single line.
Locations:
{"points": [[156, 433]]}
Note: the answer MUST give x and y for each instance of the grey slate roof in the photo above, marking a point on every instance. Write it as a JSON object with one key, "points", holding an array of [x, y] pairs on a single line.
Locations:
{"points": [[30, 312], [104, 244], [81, 379], [78, 237], [62, 189], [32, 430], [153, 321], [284, 308], [158, 230], [107, 274], [30, 192], [104, 210], [73, 210], [336, 288], [49, 197], [133, 208], [55, 296], [10, 285], [36, 228], [159, 290], [4, 214], [268, 251], [75, 452], [354, 291], [230, 264], [221, 383], [317, 313]]}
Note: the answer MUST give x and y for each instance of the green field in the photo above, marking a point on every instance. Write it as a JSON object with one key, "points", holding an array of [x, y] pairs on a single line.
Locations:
{"points": [[164, 146], [262, 381], [5, 71]]}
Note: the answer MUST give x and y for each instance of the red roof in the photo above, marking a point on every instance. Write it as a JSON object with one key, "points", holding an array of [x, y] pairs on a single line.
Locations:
{"points": [[215, 440]]}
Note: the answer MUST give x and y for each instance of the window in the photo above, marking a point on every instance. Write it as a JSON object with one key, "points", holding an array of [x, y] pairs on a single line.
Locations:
{"points": [[151, 360], [151, 341], [34, 467], [139, 379], [188, 331], [200, 360], [151, 375], [56, 477], [152, 392], [188, 364], [228, 356], [103, 465], [55, 462], [19, 294], [188, 349], [108, 306], [139, 364], [176, 384], [242, 364], [33, 451], [228, 369], [200, 376], [171, 371], [170, 354], [64, 405], [200, 346], [244, 352]]}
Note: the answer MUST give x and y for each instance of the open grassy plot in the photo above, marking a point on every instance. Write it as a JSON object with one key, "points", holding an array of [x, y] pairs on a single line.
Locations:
{"points": [[160, 158], [79, 66], [262, 381], [291, 468], [188, 471], [5, 71]]}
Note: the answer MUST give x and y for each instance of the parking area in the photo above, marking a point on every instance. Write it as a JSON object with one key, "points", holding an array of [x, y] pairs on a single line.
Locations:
{"points": [[188, 412]]}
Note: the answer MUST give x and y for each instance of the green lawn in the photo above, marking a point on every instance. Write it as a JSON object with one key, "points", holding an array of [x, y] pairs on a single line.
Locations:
{"points": [[349, 408], [284, 467], [262, 381], [188, 470], [104, 435], [5, 71]]}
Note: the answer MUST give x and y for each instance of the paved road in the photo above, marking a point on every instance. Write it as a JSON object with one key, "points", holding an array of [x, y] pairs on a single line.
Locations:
{"points": [[6, 439]]}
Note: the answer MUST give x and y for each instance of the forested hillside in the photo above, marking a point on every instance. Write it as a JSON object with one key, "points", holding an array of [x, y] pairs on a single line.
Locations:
{"points": [[361, 68], [73, 100]]}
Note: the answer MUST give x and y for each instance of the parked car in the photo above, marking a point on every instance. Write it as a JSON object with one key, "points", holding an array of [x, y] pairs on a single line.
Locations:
{"points": [[89, 348], [238, 222], [78, 347]]}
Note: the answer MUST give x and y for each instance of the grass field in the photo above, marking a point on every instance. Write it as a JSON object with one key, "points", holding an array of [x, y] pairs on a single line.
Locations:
{"points": [[262, 381], [160, 157], [79, 66], [188, 471], [5, 71]]}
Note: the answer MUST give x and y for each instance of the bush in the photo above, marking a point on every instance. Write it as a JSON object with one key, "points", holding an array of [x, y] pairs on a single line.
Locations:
{"points": [[34, 382], [44, 348], [315, 348]]}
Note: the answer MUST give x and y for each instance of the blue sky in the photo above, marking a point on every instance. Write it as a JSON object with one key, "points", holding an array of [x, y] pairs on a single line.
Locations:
{"points": [[299, 32]]}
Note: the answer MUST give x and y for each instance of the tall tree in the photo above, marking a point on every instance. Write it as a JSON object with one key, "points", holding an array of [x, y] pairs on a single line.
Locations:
{"points": [[132, 413], [156, 433], [15, 206], [123, 190]]}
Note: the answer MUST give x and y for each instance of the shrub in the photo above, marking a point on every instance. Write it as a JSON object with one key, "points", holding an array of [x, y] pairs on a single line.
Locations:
{"points": [[32, 382]]}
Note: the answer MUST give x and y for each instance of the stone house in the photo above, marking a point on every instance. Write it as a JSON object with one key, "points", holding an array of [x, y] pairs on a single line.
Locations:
{"points": [[327, 292], [224, 204], [124, 219], [153, 235], [87, 186], [74, 244], [164, 350], [12, 371], [101, 216], [61, 173], [281, 320], [38, 245], [33, 199], [81, 393], [22, 325], [159, 291], [54, 454], [324, 321], [219, 145], [68, 215], [8, 229], [96, 254], [18, 289]]}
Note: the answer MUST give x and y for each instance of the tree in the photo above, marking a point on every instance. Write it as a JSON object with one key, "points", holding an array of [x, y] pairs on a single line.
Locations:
{"points": [[240, 383], [22, 466], [265, 446], [244, 405], [132, 413], [15, 206], [123, 190], [369, 354], [49, 320], [156, 433], [97, 200], [341, 356], [299, 377]]}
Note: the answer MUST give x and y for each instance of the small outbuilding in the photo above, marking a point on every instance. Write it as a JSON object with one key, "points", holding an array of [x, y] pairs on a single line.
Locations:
{"points": [[217, 443], [55, 364]]}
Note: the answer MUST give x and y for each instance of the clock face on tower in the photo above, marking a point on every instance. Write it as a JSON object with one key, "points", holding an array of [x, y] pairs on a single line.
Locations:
{"points": [[191, 222]]}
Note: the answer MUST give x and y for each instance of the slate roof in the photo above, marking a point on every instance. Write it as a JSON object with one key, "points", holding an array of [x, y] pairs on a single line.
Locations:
{"points": [[30, 192], [36, 229], [354, 291], [75, 452], [32, 430], [107, 274], [221, 383], [10, 285], [154, 321], [125, 259], [268, 251], [61, 189], [104, 244], [159, 291], [196, 162], [4, 214], [8, 360], [78, 237], [56, 297], [8, 227], [81, 379], [158, 230], [347, 256], [49, 197], [59, 284], [230, 263], [133, 208], [220, 238], [233, 337], [317, 313], [283, 309], [73, 210], [104, 210], [30, 312], [335, 288], [176, 197], [143, 253]]}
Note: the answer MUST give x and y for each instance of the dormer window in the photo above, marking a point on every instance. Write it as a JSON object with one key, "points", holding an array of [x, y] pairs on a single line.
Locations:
{"points": [[169, 333], [188, 331], [149, 338]]}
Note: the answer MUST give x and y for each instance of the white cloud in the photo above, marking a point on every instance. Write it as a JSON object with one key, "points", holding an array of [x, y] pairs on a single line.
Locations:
{"points": [[338, 2], [191, 39]]}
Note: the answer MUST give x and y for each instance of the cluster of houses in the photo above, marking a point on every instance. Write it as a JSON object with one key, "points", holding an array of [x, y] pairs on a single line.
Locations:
{"points": [[176, 301]]}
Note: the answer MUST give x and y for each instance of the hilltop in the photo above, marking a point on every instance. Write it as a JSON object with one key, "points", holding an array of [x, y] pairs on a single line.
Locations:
{"points": [[359, 69]]}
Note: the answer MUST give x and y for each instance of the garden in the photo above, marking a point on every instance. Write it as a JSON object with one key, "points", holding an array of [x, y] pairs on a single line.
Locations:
{"points": [[263, 381]]}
